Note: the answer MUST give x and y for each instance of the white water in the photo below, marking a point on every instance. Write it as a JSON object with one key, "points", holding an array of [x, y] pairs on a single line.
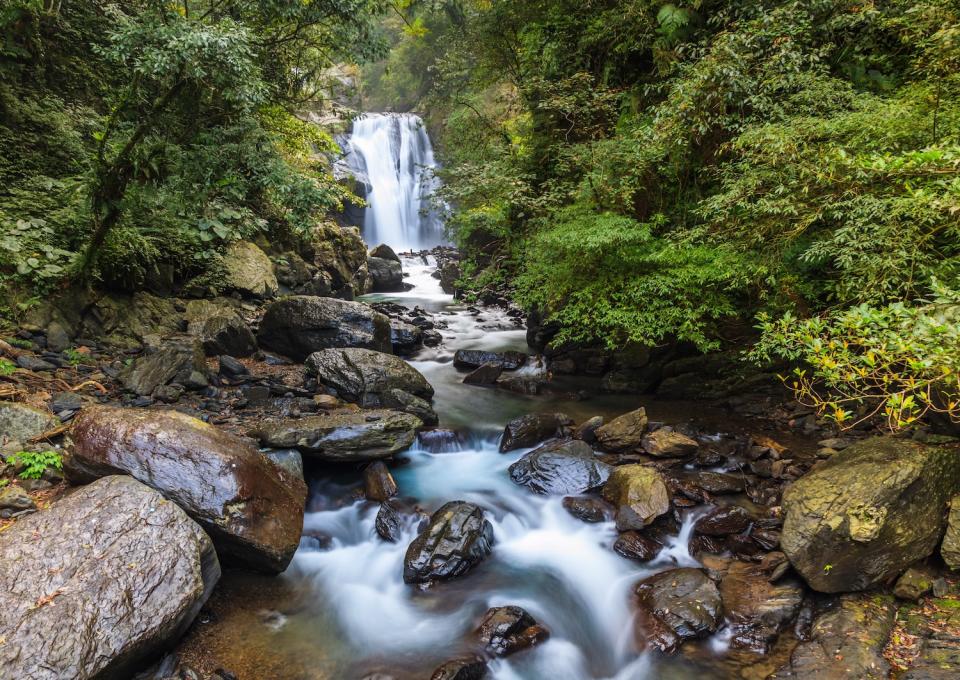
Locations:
{"points": [[393, 151]]}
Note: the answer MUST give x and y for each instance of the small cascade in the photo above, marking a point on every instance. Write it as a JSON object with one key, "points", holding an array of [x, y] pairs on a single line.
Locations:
{"points": [[392, 155]]}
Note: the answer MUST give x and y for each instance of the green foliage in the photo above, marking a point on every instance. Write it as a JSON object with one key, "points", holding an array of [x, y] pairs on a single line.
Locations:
{"points": [[899, 361], [7, 367], [35, 463]]}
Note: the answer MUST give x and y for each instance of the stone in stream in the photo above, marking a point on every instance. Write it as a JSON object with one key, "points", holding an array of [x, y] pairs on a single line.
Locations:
{"points": [[485, 374], [396, 516], [507, 630], [587, 430], [299, 325], [470, 359], [386, 276], [588, 509], [560, 468], [363, 376], [344, 436], [624, 433], [463, 668], [252, 509], [385, 252], [665, 443], [19, 422], [635, 546], [100, 582], [179, 361], [440, 440], [863, 516], [639, 495], [731, 519], [533, 428], [409, 403], [405, 337], [701, 486], [950, 549], [457, 539], [756, 609], [845, 642], [378, 483], [676, 605]]}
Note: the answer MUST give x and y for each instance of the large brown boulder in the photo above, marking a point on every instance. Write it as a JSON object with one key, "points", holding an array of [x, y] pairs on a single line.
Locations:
{"points": [[344, 436], [863, 516], [252, 509], [623, 433], [299, 325], [639, 495], [457, 539], [100, 582], [364, 376]]}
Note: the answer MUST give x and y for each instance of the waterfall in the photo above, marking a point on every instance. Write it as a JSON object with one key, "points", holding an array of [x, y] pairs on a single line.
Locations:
{"points": [[391, 153]]}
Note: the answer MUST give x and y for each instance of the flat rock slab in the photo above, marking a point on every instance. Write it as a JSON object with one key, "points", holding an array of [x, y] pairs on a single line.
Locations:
{"points": [[252, 508], [99, 582], [341, 437]]}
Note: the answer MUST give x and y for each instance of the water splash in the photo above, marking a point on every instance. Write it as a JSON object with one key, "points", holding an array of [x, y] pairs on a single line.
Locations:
{"points": [[394, 154]]}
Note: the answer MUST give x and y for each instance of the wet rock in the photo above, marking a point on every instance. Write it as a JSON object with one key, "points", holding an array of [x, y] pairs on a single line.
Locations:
{"points": [[20, 423], [343, 436], [302, 324], [182, 362], [639, 495], [378, 483], [404, 337], [248, 270], [587, 431], [404, 401], [485, 374], [15, 498], [624, 433], [475, 358], [74, 604], [507, 630], [731, 519], [457, 539], [588, 509], [385, 275], [525, 383], [384, 252], [559, 468], [533, 428], [465, 668], [363, 376], [395, 517], [635, 546], [251, 509], [449, 274], [664, 443], [914, 583], [700, 544], [756, 609], [289, 460], [701, 486], [950, 549], [868, 512], [440, 440], [845, 642], [677, 605]]}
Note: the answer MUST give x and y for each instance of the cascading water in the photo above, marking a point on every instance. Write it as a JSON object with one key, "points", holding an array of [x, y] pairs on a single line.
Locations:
{"points": [[391, 153]]}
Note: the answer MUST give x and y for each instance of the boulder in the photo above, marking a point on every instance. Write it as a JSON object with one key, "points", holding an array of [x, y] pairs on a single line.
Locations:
{"points": [[867, 513], [384, 252], [386, 276], [13, 497], [457, 539], [469, 359], [405, 337], [179, 361], [635, 546], [845, 642], [378, 484], [249, 271], [914, 583], [363, 376], [756, 609], [404, 401], [665, 443], [463, 668], [100, 582], [485, 374], [252, 510], [624, 433], [588, 509], [560, 468], [506, 630], [339, 256], [587, 430], [676, 605], [226, 334], [639, 495], [343, 436], [532, 429], [950, 549], [396, 517], [450, 273], [302, 324], [723, 521], [20, 423]]}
